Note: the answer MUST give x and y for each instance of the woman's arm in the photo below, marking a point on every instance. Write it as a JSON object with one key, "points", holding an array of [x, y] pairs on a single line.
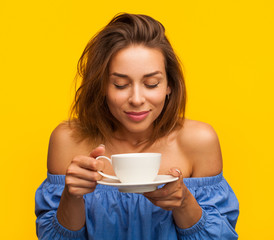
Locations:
{"points": [[203, 150], [201, 146], [191, 214], [177, 198], [81, 175]]}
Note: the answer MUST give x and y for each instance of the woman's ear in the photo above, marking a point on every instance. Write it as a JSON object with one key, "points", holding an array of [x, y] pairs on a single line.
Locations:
{"points": [[168, 90]]}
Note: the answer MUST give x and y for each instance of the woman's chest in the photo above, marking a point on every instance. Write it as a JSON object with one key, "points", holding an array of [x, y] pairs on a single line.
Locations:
{"points": [[172, 157], [178, 161]]}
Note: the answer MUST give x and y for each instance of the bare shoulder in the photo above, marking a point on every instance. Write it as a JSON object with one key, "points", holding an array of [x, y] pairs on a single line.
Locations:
{"points": [[201, 146], [62, 148]]}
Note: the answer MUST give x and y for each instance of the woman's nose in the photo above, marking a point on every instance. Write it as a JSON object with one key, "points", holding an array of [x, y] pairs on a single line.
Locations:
{"points": [[137, 97]]}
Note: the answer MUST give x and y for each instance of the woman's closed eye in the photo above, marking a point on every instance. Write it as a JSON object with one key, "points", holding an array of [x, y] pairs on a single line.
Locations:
{"points": [[152, 82], [120, 86], [124, 83], [152, 85], [121, 83]]}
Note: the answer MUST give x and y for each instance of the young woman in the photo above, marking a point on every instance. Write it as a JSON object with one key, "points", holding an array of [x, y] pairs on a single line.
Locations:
{"points": [[132, 99]]}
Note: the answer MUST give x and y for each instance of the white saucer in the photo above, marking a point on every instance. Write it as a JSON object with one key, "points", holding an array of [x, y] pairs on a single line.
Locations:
{"points": [[138, 187]]}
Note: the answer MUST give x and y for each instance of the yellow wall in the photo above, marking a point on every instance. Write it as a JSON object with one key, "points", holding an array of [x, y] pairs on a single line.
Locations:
{"points": [[227, 51]]}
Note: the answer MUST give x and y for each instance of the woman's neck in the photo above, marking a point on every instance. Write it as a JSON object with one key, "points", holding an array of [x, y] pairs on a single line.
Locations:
{"points": [[132, 139]]}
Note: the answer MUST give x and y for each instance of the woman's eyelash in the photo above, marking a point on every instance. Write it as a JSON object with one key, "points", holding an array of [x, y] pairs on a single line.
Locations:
{"points": [[125, 85], [120, 86], [152, 85]]}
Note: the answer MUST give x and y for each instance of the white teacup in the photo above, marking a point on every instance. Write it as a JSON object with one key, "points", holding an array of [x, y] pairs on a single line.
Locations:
{"points": [[134, 167]]}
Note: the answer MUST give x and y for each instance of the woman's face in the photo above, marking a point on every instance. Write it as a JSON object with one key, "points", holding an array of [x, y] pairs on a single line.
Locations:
{"points": [[137, 87]]}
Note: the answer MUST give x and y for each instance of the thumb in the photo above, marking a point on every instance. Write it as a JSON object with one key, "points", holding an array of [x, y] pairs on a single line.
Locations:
{"points": [[175, 172], [100, 150]]}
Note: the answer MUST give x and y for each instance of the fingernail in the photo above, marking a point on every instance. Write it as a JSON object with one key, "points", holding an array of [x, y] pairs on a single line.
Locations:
{"points": [[177, 170], [101, 145]]}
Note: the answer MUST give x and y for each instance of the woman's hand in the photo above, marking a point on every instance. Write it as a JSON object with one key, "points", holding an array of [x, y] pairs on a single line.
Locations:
{"points": [[81, 174], [177, 198], [172, 195]]}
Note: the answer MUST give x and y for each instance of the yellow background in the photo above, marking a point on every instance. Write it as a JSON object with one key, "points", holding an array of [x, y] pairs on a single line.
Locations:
{"points": [[227, 51]]}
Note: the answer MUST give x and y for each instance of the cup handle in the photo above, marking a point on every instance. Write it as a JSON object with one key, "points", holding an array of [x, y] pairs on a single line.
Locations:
{"points": [[106, 175]]}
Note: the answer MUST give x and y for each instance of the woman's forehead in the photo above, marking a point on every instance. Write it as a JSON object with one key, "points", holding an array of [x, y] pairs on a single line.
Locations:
{"points": [[137, 59]]}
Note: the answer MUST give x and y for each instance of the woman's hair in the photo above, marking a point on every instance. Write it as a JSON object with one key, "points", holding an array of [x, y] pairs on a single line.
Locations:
{"points": [[90, 110]]}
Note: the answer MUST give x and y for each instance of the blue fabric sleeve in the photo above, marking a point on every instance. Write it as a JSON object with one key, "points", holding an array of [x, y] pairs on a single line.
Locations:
{"points": [[47, 200], [220, 209], [132, 216]]}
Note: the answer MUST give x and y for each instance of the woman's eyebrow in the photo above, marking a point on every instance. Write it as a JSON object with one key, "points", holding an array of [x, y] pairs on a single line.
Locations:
{"points": [[119, 75], [126, 76], [152, 74]]}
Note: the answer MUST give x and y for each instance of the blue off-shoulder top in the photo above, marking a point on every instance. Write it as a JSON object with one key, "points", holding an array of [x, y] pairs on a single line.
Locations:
{"points": [[111, 214]]}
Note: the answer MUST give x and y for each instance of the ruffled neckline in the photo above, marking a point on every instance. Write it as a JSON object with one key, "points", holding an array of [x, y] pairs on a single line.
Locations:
{"points": [[196, 182]]}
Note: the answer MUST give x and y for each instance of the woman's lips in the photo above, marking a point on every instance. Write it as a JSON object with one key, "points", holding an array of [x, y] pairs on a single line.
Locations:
{"points": [[137, 116]]}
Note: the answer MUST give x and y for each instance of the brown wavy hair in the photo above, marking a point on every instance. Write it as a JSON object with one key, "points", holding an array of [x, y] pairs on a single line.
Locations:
{"points": [[90, 111]]}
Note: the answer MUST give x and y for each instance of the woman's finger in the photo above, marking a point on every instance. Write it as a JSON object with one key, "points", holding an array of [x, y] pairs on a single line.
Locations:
{"points": [[167, 205], [175, 172], [79, 192], [171, 191], [79, 183], [87, 163], [99, 151], [166, 191], [82, 173]]}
